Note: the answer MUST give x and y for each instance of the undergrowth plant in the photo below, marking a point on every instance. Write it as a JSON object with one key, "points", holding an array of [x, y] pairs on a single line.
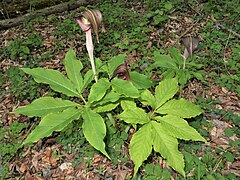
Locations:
{"points": [[10, 143], [19, 90], [20, 48], [158, 120], [173, 66]]}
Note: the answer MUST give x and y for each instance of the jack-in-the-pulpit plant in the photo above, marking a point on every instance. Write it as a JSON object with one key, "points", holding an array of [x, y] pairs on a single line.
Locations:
{"points": [[157, 128], [174, 65], [162, 126], [88, 20]]}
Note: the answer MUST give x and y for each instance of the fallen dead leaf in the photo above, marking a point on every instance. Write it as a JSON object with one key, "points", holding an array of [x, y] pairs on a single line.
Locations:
{"points": [[120, 175], [28, 176], [65, 166], [24, 167]]}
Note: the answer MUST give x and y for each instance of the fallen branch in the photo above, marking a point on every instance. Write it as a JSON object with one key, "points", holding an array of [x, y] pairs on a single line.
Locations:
{"points": [[7, 23]]}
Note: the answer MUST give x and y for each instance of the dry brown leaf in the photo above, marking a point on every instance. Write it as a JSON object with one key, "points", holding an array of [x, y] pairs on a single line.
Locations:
{"points": [[28, 176], [23, 167], [121, 175], [35, 159]]}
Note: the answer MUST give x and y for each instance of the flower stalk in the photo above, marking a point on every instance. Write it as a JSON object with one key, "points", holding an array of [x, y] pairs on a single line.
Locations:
{"points": [[88, 20]]}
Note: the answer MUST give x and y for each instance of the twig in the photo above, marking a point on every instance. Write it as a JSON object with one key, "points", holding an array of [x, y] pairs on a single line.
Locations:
{"points": [[223, 27], [29, 130], [224, 54], [229, 30], [216, 165], [188, 29]]}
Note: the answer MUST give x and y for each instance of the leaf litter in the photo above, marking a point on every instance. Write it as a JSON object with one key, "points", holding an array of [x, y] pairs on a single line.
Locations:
{"points": [[52, 161]]}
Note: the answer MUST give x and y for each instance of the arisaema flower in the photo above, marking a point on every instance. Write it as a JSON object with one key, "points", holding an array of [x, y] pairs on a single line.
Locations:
{"points": [[190, 44], [88, 20]]}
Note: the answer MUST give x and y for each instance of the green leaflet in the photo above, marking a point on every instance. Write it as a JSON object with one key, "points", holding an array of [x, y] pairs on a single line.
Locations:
{"points": [[141, 146], [169, 73], [88, 77], [105, 107], [167, 146], [53, 122], [54, 78], [128, 104], [179, 128], [199, 76], [181, 108], [73, 67], [164, 61], [183, 76], [134, 116], [98, 90], [176, 55], [45, 105], [165, 91], [124, 87], [140, 81], [109, 97], [115, 62], [94, 130], [147, 98], [101, 66]]}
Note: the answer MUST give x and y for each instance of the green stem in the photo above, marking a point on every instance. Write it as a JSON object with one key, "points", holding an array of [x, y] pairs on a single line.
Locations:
{"points": [[85, 102], [152, 114]]}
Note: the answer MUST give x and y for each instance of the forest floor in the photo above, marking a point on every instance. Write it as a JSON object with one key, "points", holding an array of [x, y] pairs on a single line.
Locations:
{"points": [[137, 29]]}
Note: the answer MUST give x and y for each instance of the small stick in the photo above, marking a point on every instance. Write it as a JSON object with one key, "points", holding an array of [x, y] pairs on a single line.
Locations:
{"points": [[229, 30], [223, 27]]}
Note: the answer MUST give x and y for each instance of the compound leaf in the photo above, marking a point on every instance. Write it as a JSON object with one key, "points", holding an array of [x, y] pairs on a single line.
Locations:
{"points": [[176, 55], [53, 122], [94, 130], [109, 97], [183, 76], [54, 78], [45, 105], [164, 61], [181, 108]]}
